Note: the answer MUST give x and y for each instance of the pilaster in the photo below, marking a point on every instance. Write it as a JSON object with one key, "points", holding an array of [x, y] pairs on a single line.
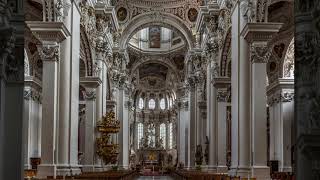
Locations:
{"points": [[281, 107], [50, 35], [258, 35], [223, 99], [32, 120], [90, 84]]}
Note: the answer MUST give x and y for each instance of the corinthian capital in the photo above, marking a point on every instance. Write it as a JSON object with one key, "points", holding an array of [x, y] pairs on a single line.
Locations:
{"points": [[260, 52], [49, 52], [90, 94]]}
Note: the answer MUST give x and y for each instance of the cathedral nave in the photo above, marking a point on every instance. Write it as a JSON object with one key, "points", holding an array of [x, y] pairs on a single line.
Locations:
{"points": [[185, 88]]}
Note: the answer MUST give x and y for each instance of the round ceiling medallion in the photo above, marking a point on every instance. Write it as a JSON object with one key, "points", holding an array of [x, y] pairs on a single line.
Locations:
{"points": [[192, 14], [122, 14]]}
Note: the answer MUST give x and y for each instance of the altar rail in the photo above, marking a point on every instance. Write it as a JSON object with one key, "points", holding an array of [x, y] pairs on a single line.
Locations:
{"points": [[198, 175]]}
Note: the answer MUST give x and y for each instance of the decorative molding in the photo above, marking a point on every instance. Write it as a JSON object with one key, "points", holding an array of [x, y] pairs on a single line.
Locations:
{"points": [[285, 95], [90, 94], [48, 31], [49, 52], [179, 9], [32, 94], [288, 64], [90, 81], [61, 9], [260, 32], [223, 96], [259, 52]]}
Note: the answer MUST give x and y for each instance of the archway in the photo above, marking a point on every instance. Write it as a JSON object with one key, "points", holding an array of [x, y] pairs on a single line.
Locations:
{"points": [[161, 19]]}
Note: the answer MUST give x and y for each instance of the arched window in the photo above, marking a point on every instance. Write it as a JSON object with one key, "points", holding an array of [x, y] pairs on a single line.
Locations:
{"points": [[140, 134], [163, 134], [170, 136], [141, 104], [152, 104], [162, 104]]}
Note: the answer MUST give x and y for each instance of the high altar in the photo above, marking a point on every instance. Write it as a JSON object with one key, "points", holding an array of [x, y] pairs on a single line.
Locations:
{"points": [[149, 155]]}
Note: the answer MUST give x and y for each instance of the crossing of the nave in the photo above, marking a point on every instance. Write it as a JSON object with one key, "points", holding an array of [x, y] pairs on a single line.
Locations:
{"points": [[159, 89]]}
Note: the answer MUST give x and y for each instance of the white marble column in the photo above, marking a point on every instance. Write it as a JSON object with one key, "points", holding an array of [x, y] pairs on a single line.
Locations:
{"points": [[281, 106], [223, 99], [258, 35], [64, 108], [259, 119], [50, 54], [32, 120], [74, 89], [49, 110], [240, 90], [198, 118], [123, 138], [90, 84], [88, 161], [222, 133], [192, 129], [99, 100], [211, 119]]}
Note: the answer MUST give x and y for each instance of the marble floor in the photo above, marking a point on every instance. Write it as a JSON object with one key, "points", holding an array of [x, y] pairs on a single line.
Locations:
{"points": [[154, 178]]}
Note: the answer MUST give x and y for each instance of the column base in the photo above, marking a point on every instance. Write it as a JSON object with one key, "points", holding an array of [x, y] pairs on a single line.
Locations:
{"points": [[68, 170], [261, 172], [286, 169], [63, 170], [88, 168], [45, 170], [98, 168], [222, 169], [240, 171], [27, 166], [126, 167], [76, 169]]}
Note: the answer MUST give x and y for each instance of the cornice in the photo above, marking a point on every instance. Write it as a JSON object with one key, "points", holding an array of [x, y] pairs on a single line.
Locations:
{"points": [[260, 31], [90, 81], [206, 11], [221, 82], [279, 84], [48, 31], [33, 82]]}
